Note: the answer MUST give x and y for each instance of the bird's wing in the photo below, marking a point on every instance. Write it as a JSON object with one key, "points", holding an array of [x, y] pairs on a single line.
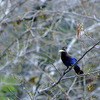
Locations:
{"points": [[72, 60]]}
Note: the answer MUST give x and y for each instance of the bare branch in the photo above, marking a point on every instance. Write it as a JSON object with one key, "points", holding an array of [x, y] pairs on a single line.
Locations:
{"points": [[72, 13], [81, 75], [87, 52], [43, 90], [4, 52]]}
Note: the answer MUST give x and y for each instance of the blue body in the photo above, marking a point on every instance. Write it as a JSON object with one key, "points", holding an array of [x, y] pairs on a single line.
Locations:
{"points": [[69, 61]]}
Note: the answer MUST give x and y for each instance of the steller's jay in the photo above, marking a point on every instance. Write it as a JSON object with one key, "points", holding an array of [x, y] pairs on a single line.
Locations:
{"points": [[69, 60]]}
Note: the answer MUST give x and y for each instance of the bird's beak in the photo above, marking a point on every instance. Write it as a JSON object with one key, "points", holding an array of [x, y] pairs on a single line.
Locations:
{"points": [[61, 51]]}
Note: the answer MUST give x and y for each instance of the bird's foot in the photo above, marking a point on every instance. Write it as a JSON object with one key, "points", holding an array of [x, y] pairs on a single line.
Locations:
{"points": [[67, 70]]}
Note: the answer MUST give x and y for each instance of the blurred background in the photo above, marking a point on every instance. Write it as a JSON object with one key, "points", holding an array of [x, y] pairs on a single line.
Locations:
{"points": [[31, 34]]}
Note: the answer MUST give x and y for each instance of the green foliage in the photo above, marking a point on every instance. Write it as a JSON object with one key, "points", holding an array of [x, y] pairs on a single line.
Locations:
{"points": [[7, 87], [4, 98]]}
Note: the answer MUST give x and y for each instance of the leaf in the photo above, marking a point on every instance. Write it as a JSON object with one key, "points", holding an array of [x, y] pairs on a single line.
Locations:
{"points": [[88, 33], [90, 87], [79, 28], [33, 79]]}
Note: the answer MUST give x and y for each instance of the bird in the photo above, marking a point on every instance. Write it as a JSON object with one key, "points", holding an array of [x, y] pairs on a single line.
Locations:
{"points": [[69, 60]]}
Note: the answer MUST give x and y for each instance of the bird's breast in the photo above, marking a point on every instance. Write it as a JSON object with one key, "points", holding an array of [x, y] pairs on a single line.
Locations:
{"points": [[66, 62]]}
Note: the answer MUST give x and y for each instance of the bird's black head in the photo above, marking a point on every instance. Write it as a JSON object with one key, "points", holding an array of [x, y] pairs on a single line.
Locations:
{"points": [[63, 49]]}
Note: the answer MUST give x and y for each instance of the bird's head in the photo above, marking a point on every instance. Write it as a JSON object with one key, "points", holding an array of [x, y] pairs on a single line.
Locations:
{"points": [[63, 49]]}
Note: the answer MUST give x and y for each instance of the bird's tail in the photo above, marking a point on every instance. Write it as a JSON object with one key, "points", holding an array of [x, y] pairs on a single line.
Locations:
{"points": [[78, 70]]}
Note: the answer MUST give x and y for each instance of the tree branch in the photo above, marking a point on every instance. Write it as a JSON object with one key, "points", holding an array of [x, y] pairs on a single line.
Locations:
{"points": [[43, 90], [81, 75], [87, 52], [4, 52]]}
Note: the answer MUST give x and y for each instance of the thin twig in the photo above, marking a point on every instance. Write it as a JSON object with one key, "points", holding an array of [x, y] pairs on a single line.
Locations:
{"points": [[14, 94], [43, 90], [72, 85], [28, 93], [56, 69], [81, 75], [71, 13], [4, 52], [87, 52]]}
